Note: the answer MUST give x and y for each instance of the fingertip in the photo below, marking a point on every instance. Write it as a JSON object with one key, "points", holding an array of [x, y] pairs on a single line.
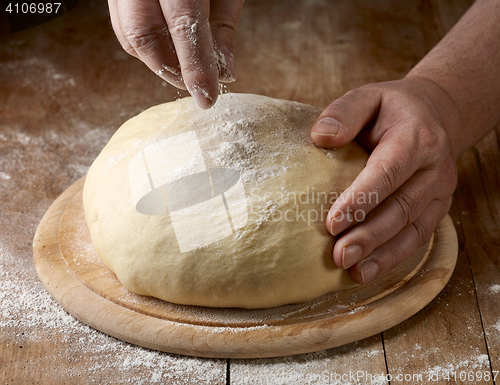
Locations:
{"points": [[203, 98], [335, 255], [325, 131], [345, 118], [203, 85], [328, 132], [329, 222], [365, 271], [171, 75], [369, 270], [193, 42], [355, 274]]}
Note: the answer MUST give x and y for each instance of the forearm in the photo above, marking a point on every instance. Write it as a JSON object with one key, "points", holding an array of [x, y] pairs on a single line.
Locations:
{"points": [[466, 66]]}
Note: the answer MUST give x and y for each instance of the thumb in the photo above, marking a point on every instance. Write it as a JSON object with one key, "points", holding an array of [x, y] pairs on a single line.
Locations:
{"points": [[224, 18], [342, 120]]}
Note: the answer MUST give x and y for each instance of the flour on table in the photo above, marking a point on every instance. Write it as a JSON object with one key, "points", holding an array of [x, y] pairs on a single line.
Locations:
{"points": [[497, 326], [324, 367], [30, 316], [480, 362]]}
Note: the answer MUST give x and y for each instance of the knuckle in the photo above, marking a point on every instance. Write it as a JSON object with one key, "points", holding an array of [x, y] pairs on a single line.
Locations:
{"points": [[422, 232], [223, 34], [142, 38], [374, 238], [370, 236], [434, 144], [427, 137], [183, 25], [368, 87], [406, 207], [355, 93], [342, 107], [446, 204], [127, 47], [223, 27], [391, 173], [349, 99], [392, 256]]}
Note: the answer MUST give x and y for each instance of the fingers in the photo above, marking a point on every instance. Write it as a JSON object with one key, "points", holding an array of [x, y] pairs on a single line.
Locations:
{"points": [[413, 209], [397, 200], [142, 32], [174, 39], [192, 37], [399, 210], [342, 120], [400, 247], [389, 166], [224, 18]]}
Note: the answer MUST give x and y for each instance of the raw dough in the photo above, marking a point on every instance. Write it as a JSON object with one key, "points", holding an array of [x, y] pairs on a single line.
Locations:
{"points": [[222, 207]]}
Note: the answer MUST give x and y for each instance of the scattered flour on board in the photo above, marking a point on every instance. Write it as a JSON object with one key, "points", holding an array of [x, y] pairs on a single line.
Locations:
{"points": [[330, 367], [495, 289], [497, 326], [480, 362], [30, 316], [4, 176]]}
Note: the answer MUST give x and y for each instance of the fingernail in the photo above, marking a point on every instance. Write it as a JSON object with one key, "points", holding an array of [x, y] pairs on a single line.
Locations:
{"points": [[225, 61], [351, 254], [333, 222], [326, 127], [171, 75], [341, 221], [202, 98], [369, 270]]}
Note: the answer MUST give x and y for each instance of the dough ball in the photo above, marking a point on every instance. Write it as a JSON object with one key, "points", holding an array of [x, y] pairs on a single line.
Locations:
{"points": [[223, 207]]}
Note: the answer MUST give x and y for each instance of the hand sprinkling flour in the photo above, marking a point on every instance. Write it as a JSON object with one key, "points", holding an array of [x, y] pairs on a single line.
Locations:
{"points": [[187, 43]]}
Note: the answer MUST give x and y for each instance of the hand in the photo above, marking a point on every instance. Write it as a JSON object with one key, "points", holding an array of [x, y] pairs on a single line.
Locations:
{"points": [[407, 185], [187, 43]]}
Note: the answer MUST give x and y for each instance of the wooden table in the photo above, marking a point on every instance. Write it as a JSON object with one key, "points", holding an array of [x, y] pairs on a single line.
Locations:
{"points": [[66, 86]]}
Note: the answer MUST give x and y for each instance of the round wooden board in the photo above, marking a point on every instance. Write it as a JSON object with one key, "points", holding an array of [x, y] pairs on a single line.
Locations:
{"points": [[73, 274]]}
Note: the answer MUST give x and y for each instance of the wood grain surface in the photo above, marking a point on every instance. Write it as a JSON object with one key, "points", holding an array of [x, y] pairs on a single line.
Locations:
{"points": [[66, 86], [73, 274]]}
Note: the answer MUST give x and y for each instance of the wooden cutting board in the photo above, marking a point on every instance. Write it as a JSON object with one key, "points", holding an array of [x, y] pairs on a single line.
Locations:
{"points": [[73, 274]]}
